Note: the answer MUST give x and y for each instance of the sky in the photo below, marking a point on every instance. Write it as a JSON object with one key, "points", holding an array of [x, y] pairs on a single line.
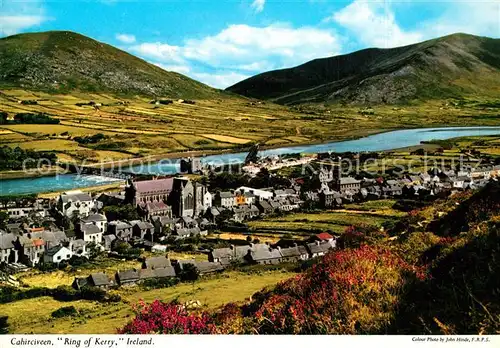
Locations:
{"points": [[221, 42]]}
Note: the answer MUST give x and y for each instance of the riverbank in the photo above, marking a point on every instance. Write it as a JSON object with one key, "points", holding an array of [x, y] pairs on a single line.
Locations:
{"points": [[380, 142], [94, 189]]}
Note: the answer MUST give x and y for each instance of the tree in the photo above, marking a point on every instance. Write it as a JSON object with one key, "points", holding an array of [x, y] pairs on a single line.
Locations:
{"points": [[189, 272], [125, 212], [4, 218]]}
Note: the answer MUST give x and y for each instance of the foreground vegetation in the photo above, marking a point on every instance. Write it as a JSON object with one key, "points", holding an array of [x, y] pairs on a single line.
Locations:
{"points": [[375, 285]]}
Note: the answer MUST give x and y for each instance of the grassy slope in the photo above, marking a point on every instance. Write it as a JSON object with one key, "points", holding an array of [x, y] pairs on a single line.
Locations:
{"points": [[33, 316], [456, 65], [62, 61]]}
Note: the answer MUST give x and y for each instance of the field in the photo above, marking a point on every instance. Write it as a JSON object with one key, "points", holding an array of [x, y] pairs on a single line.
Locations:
{"points": [[336, 221], [136, 128], [34, 315]]}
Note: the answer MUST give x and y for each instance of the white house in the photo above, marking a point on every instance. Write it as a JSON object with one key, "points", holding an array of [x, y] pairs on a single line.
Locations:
{"points": [[262, 194], [76, 201], [99, 220], [91, 233], [57, 254]]}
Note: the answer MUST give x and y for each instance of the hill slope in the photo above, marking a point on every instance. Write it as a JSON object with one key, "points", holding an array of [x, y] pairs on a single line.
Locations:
{"points": [[62, 61], [455, 65]]}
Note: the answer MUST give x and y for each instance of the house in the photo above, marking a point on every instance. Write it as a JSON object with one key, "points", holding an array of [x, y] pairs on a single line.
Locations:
{"points": [[163, 225], [319, 248], [294, 254], [8, 252], [240, 198], [203, 267], [264, 207], [461, 182], [108, 241], [78, 247], [157, 262], [107, 198], [91, 233], [15, 228], [57, 254], [127, 278], [324, 237], [30, 250], [189, 232], [330, 199], [157, 273], [99, 220], [223, 255], [99, 280], [263, 254], [143, 230], [224, 199], [346, 184], [258, 193], [76, 202], [121, 230], [250, 198], [158, 248]]}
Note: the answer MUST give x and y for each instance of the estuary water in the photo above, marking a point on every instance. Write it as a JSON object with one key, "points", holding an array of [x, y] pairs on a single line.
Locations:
{"points": [[377, 142]]}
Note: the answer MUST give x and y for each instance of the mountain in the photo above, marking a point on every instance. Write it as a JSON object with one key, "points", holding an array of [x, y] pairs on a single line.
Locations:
{"points": [[63, 61], [452, 66]]}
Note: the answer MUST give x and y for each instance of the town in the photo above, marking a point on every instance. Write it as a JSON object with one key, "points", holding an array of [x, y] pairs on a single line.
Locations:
{"points": [[160, 214]]}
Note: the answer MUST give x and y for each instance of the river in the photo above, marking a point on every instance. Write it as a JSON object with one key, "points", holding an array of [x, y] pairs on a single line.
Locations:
{"points": [[377, 142]]}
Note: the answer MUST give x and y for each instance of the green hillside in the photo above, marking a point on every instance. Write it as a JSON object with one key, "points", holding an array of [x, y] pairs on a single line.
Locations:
{"points": [[453, 66], [63, 61]]}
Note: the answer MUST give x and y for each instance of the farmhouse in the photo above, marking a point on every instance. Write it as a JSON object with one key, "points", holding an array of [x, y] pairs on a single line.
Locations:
{"points": [[57, 254]]}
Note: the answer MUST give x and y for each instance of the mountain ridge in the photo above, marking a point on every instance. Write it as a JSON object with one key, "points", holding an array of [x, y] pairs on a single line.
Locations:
{"points": [[454, 65], [63, 61]]}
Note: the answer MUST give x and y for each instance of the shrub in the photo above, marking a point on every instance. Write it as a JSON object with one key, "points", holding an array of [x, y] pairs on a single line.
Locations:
{"points": [[159, 283], [62, 312], [189, 272]]}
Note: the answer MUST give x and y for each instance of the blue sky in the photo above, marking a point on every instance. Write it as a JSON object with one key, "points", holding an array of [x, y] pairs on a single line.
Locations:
{"points": [[222, 42]]}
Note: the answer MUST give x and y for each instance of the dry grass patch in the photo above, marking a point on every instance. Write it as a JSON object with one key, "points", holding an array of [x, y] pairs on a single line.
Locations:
{"points": [[226, 139]]}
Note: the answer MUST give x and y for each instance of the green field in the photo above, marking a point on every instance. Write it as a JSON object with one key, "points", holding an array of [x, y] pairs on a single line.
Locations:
{"points": [[135, 128], [34, 315], [336, 221]]}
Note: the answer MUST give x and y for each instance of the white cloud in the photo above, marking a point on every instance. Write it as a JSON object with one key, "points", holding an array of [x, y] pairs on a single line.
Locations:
{"points": [[280, 44], [258, 5], [13, 24], [374, 24], [160, 51], [240, 49], [220, 80], [125, 38], [16, 16], [473, 17]]}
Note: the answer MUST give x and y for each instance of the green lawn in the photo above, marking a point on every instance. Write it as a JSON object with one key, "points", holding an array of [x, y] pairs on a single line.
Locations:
{"points": [[34, 315]]}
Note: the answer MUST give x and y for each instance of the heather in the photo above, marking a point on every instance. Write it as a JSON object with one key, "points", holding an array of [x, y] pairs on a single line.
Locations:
{"points": [[418, 281]]}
